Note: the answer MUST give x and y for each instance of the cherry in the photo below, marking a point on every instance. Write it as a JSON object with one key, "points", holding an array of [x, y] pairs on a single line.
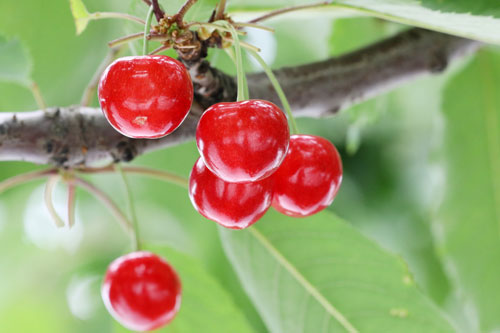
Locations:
{"points": [[309, 177], [145, 96], [141, 291], [232, 205], [243, 141]]}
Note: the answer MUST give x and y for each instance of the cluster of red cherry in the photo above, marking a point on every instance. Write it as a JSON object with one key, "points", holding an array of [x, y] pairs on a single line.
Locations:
{"points": [[249, 162]]}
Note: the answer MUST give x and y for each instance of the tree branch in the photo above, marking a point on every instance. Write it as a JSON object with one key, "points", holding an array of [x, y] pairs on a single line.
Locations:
{"points": [[75, 136]]}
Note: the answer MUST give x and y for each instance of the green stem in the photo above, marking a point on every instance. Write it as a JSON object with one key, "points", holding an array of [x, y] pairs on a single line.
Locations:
{"points": [[131, 208], [281, 94], [240, 72], [147, 28]]}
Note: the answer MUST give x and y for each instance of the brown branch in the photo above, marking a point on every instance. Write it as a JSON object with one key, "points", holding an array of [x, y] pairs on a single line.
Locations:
{"points": [[159, 14], [76, 136], [179, 17]]}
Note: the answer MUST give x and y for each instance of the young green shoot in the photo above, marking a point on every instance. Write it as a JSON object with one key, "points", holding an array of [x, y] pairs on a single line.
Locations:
{"points": [[147, 28], [240, 71]]}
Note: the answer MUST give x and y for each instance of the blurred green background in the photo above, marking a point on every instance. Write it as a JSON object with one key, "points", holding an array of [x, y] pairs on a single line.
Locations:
{"points": [[421, 178]]}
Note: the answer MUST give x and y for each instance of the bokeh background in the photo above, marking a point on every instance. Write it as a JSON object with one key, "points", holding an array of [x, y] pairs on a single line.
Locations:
{"points": [[421, 177]]}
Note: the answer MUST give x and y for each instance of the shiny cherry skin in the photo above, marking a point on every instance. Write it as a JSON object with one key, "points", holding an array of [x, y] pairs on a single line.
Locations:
{"points": [[145, 96], [309, 177], [243, 141], [141, 291], [232, 205]]}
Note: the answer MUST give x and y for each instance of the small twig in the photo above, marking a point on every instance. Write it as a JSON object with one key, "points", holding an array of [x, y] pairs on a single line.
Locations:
{"points": [[159, 13], [49, 190], [179, 17], [25, 177], [147, 2], [287, 10], [94, 81], [71, 204], [157, 38], [106, 201], [160, 49], [125, 39]]}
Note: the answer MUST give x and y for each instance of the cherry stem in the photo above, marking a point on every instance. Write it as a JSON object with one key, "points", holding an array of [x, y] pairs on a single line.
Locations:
{"points": [[49, 190], [240, 72], [287, 10], [281, 94], [37, 94], [245, 45], [106, 201], [179, 17], [89, 92], [25, 177], [252, 25], [131, 208], [147, 28]]}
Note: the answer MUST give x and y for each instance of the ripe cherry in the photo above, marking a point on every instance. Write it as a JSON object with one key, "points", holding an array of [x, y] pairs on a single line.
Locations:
{"points": [[232, 205], [309, 177], [243, 141], [141, 291], [145, 96]]}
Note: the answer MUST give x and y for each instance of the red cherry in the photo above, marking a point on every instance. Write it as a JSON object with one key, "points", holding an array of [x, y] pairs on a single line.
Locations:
{"points": [[141, 291], [145, 96], [232, 205], [243, 141], [309, 177]]}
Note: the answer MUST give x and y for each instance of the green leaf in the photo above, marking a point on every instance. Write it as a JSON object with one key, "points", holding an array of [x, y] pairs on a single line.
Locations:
{"points": [[467, 18], [321, 275], [80, 15], [205, 306], [15, 61], [469, 223]]}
